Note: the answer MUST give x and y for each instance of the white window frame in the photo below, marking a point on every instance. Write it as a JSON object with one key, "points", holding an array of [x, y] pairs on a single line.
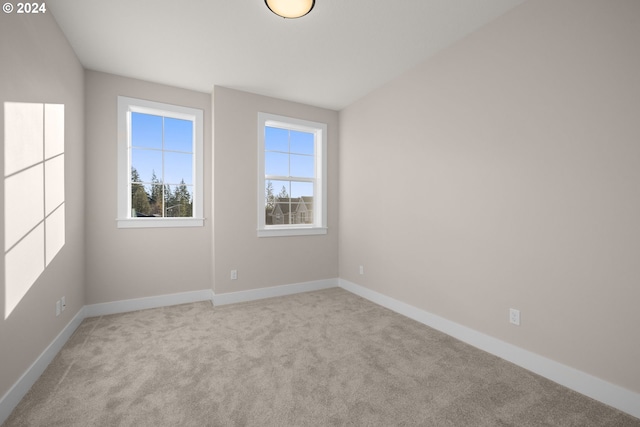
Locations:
{"points": [[126, 106], [319, 225]]}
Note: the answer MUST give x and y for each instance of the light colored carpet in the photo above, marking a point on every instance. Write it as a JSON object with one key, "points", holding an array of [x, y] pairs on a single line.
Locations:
{"points": [[313, 359]]}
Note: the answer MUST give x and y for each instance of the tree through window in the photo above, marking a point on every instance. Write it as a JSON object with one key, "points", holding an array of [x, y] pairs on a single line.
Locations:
{"points": [[163, 155], [162, 144]]}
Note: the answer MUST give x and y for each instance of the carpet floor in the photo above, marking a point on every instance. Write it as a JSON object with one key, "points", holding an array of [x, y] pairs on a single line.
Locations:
{"points": [[315, 359]]}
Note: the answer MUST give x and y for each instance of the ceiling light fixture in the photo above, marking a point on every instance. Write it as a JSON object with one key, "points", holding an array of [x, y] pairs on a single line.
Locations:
{"points": [[290, 8]]}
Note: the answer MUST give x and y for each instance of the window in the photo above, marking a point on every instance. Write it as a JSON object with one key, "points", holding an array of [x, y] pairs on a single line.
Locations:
{"points": [[292, 188], [160, 164]]}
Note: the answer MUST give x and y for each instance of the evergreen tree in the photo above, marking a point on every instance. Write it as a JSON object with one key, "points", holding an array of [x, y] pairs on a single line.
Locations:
{"points": [[157, 197], [270, 199], [283, 193], [135, 176], [169, 201], [182, 200], [139, 196]]}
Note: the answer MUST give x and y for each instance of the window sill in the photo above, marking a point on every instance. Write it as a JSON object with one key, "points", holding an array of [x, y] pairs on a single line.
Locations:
{"points": [[286, 231], [159, 222]]}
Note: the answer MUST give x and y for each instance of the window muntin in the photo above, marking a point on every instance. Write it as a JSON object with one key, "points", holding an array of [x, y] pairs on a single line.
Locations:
{"points": [[162, 158], [160, 164], [292, 176]]}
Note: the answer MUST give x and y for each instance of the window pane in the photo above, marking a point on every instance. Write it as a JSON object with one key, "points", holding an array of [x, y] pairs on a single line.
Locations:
{"points": [[276, 139], [282, 212], [146, 130], [302, 142], [301, 210], [281, 189], [274, 192], [178, 167], [269, 194], [282, 202], [156, 198], [140, 206], [302, 166], [178, 135], [144, 163], [276, 164], [301, 189], [302, 198], [179, 201]]}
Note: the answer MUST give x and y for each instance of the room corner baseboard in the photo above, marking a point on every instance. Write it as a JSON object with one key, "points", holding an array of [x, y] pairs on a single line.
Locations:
{"points": [[125, 306], [15, 394], [275, 291], [581, 382], [12, 397]]}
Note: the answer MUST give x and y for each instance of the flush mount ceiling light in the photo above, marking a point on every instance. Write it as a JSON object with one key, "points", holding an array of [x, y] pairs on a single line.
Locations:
{"points": [[290, 8]]}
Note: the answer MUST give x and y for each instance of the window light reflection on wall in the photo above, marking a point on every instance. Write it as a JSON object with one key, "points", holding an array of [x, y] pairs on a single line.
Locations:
{"points": [[34, 199]]}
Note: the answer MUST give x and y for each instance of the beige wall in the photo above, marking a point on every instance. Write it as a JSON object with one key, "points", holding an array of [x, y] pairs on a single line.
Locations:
{"points": [[37, 65], [133, 263], [266, 261], [504, 173]]}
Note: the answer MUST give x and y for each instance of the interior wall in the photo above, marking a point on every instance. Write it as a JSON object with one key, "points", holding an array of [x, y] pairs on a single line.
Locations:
{"points": [[38, 66], [137, 262], [503, 173], [267, 261]]}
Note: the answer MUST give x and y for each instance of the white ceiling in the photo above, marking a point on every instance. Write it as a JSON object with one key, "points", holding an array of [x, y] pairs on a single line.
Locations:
{"points": [[338, 53]]}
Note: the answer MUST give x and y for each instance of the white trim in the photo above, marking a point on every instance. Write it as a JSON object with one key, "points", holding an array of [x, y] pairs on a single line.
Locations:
{"points": [[15, 394], [291, 231], [275, 291], [159, 222], [125, 306], [581, 382]]}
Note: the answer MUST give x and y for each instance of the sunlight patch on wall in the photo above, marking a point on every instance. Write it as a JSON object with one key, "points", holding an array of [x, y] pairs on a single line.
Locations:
{"points": [[34, 217]]}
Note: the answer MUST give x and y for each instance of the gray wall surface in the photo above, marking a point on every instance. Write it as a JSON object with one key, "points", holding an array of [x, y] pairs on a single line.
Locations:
{"points": [[38, 66], [267, 261], [504, 173], [134, 263]]}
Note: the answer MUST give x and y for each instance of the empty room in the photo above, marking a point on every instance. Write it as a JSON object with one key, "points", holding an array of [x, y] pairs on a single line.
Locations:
{"points": [[320, 212]]}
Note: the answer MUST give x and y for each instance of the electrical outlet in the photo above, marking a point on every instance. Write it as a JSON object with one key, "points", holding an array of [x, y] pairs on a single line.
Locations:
{"points": [[63, 301], [234, 274], [514, 316], [58, 308], [362, 269]]}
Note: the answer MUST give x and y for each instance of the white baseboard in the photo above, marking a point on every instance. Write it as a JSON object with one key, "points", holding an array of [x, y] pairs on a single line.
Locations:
{"points": [[275, 291], [15, 394], [581, 382], [125, 306]]}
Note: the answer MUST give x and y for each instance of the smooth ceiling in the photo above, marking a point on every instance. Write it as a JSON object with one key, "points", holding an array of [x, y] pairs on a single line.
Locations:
{"points": [[338, 53]]}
